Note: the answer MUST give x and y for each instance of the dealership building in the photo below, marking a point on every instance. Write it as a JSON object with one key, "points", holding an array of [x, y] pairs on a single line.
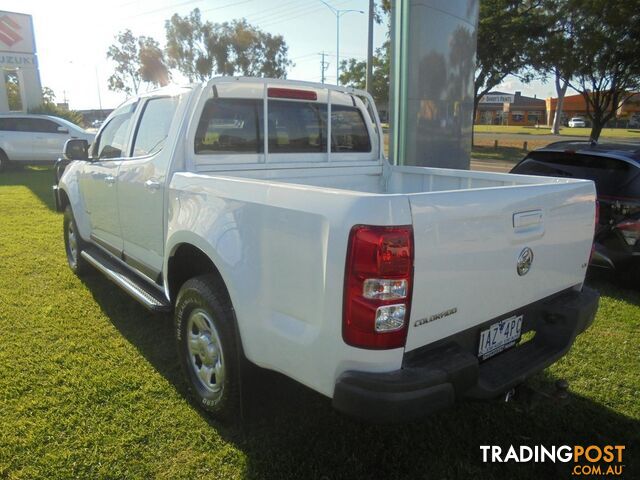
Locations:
{"points": [[500, 108]]}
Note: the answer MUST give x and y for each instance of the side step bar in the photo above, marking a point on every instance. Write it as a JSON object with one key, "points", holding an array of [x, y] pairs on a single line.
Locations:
{"points": [[144, 293]]}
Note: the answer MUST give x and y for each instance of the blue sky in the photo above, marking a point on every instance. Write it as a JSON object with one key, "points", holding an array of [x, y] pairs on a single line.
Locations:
{"points": [[72, 37]]}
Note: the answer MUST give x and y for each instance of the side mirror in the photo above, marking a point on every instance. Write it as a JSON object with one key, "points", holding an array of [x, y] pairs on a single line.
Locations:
{"points": [[76, 149], [62, 130]]}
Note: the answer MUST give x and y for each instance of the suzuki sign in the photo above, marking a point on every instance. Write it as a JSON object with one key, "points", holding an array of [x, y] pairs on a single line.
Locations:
{"points": [[16, 33], [18, 62]]}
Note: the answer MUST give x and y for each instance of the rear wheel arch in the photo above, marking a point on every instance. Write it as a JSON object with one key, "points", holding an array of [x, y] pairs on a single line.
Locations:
{"points": [[188, 261]]}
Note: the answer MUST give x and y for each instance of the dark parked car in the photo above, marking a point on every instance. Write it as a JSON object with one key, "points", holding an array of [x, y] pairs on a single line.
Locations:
{"points": [[615, 169]]}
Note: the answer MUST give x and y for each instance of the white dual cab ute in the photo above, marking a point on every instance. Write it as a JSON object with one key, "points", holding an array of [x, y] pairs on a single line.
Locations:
{"points": [[264, 215]]}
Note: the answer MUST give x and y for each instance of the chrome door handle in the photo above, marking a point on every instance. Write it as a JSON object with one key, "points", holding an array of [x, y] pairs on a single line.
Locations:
{"points": [[152, 185], [109, 180]]}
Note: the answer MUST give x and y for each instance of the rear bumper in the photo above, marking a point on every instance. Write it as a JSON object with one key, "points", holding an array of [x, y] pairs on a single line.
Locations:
{"points": [[434, 377]]}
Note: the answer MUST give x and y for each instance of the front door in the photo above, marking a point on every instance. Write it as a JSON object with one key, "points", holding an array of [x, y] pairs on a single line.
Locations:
{"points": [[98, 182]]}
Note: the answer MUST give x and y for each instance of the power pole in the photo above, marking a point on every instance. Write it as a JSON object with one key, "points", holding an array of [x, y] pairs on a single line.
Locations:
{"points": [[323, 66], [369, 82]]}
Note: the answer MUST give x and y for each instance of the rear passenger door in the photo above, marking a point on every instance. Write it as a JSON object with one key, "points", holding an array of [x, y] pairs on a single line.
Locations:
{"points": [[141, 186]]}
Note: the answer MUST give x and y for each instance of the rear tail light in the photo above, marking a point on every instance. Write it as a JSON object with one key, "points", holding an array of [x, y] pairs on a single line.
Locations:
{"points": [[377, 289], [630, 230]]}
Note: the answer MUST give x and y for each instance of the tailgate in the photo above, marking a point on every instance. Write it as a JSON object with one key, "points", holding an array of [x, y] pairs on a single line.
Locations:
{"points": [[467, 247]]}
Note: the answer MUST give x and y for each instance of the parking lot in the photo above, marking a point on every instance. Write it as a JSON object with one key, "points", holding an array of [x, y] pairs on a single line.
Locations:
{"points": [[91, 388]]}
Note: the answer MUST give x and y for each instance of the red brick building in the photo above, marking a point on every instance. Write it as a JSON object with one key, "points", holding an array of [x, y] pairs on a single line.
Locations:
{"points": [[627, 114]]}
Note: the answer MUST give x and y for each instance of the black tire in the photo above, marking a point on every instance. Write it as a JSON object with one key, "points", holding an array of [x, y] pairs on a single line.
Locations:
{"points": [[205, 325], [77, 264]]}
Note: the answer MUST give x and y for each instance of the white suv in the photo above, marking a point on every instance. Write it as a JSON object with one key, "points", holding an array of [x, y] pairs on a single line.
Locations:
{"points": [[28, 138], [577, 122]]}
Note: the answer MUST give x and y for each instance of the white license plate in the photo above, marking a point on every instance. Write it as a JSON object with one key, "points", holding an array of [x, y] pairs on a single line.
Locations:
{"points": [[500, 336]]}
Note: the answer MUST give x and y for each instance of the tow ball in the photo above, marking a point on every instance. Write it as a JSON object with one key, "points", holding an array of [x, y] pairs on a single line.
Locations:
{"points": [[531, 397]]}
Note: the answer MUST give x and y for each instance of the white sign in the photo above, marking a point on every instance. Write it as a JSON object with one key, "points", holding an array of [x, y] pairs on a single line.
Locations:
{"points": [[16, 33], [497, 98], [12, 60]]}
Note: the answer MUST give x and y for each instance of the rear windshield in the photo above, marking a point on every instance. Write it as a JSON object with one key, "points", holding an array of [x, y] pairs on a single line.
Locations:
{"points": [[613, 177], [297, 127], [229, 125], [348, 130]]}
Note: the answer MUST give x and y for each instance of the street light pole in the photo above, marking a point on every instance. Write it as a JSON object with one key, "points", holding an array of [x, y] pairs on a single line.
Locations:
{"points": [[337, 47], [338, 13], [369, 75]]}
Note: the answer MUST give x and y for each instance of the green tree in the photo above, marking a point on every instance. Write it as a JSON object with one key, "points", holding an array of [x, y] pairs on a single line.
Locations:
{"points": [[606, 34], [553, 57], [137, 60], [353, 73], [200, 49], [48, 95], [509, 34]]}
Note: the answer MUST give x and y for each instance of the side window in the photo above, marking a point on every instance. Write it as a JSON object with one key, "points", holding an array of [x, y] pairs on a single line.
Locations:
{"points": [[8, 124], [297, 127], [348, 130], [114, 135], [154, 125], [230, 125], [44, 126], [26, 125], [38, 125]]}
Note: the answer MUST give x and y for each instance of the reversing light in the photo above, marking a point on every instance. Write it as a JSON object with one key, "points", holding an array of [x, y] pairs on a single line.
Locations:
{"points": [[390, 318]]}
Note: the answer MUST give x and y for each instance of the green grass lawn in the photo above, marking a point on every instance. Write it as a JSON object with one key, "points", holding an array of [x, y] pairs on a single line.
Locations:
{"points": [[507, 154], [90, 388], [620, 133]]}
